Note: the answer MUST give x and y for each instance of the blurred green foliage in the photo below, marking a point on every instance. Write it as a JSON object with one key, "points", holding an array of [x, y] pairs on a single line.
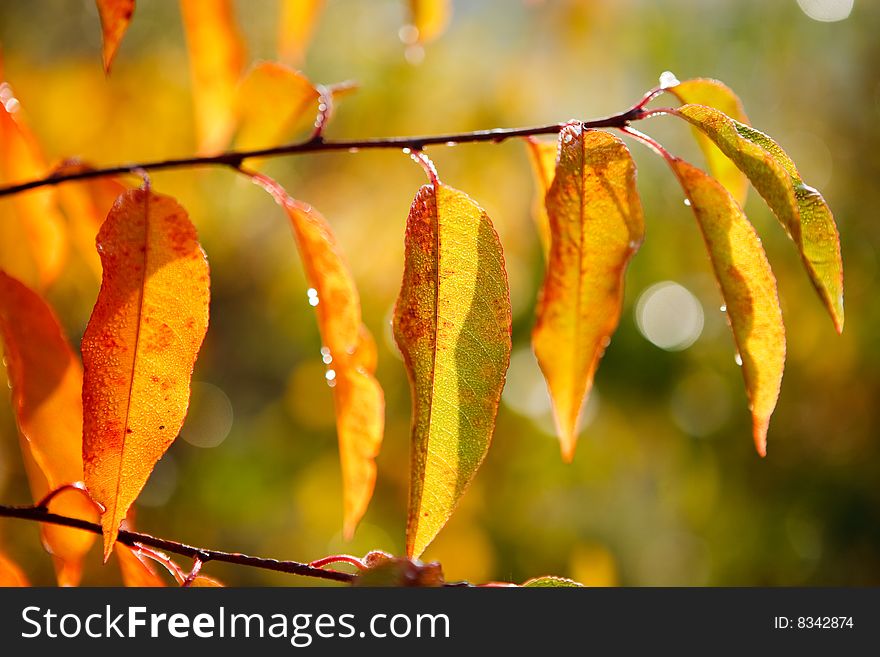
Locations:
{"points": [[666, 488]]}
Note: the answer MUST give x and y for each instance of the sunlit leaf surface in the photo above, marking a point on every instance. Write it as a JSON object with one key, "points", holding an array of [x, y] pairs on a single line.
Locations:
{"points": [[452, 324]]}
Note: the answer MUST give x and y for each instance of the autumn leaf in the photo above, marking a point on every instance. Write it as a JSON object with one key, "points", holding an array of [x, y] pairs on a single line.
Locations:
{"points": [[32, 239], [115, 17], [551, 581], [85, 204], [713, 93], [452, 325], [216, 56], [400, 572], [596, 222], [205, 582], [749, 290], [139, 347], [430, 18], [272, 101], [136, 570], [295, 27], [348, 351], [10, 574], [542, 156], [801, 209], [46, 381]]}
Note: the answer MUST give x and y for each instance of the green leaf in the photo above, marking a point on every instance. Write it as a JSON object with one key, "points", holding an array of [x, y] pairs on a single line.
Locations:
{"points": [[800, 208], [551, 581], [705, 91], [596, 225], [749, 290], [452, 324]]}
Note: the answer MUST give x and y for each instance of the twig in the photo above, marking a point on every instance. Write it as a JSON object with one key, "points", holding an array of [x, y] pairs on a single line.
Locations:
{"points": [[132, 539], [317, 144]]}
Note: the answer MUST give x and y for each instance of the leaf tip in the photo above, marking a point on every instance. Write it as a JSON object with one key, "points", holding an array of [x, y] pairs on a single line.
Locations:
{"points": [[759, 431]]}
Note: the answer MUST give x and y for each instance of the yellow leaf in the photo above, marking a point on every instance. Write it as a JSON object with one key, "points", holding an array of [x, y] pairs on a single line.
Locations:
{"points": [[115, 17], [273, 100], [216, 57], [348, 351], [452, 325], [32, 242], [542, 155], [430, 18], [10, 574], [295, 28], [596, 225], [46, 381], [800, 208], [749, 290], [203, 581], [705, 91], [139, 347]]}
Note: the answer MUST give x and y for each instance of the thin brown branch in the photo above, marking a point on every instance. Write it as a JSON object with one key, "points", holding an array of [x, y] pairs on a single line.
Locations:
{"points": [[203, 555], [317, 144]]}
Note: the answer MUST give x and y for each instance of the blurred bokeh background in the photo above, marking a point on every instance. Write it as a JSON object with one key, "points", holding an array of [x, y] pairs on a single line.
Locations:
{"points": [[666, 488]]}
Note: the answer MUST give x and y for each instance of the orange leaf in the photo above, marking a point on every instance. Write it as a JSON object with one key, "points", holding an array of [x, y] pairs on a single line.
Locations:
{"points": [[136, 570], [203, 581], [749, 290], [46, 381], [10, 574], [32, 240], [273, 100], [295, 28], [348, 351], [140, 347], [115, 17], [596, 223], [706, 91], [542, 155], [86, 204], [216, 57]]}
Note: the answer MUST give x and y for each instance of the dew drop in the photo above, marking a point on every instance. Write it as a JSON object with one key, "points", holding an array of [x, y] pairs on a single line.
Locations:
{"points": [[738, 360], [687, 202], [452, 143], [566, 137], [12, 105], [723, 309], [353, 150], [668, 79], [407, 151], [313, 296], [326, 356], [330, 376]]}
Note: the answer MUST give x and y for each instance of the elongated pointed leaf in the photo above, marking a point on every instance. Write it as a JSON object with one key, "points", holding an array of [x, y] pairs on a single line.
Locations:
{"points": [[452, 325], [749, 290], [295, 28], [115, 17], [596, 223], [10, 574], [542, 155], [216, 57], [46, 381], [139, 347], [349, 352], [273, 100], [800, 208], [713, 93], [32, 240]]}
